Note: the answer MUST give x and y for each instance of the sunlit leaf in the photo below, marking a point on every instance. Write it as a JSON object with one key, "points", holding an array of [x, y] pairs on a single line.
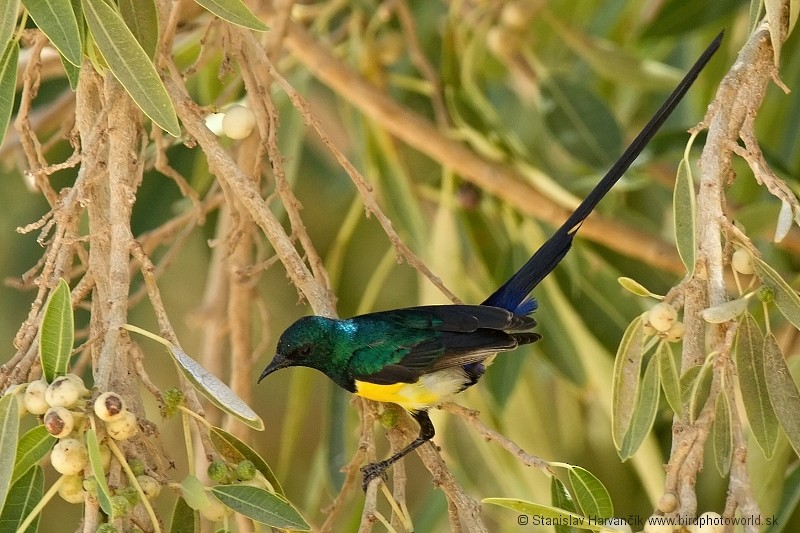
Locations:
{"points": [[261, 506], [590, 494], [33, 446], [8, 85], [130, 64], [725, 311], [786, 299], [753, 384], [627, 367], [635, 287], [644, 414], [546, 512], [23, 496], [668, 376], [8, 20], [9, 434], [684, 207], [235, 451], [96, 465], [784, 224], [723, 438], [57, 20], [783, 393], [234, 11], [57, 333]]}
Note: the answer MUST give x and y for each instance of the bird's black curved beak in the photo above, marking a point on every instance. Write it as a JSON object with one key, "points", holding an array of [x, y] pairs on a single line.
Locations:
{"points": [[276, 364]]}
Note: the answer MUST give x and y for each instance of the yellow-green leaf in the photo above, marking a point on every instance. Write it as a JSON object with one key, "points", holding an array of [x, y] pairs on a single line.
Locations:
{"points": [[644, 414], [261, 506], [57, 333], [590, 494], [33, 446], [684, 208], [783, 393], [23, 497], [545, 511], [627, 366], [235, 451], [130, 64], [57, 20], [96, 466], [786, 299], [9, 434], [635, 287], [234, 11], [668, 376], [8, 85], [8, 20], [753, 384], [723, 438]]}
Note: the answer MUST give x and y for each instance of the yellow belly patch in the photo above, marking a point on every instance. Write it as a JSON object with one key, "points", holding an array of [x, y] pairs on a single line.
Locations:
{"points": [[430, 390]]}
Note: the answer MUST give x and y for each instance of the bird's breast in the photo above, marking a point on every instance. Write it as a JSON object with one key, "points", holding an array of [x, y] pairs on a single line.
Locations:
{"points": [[429, 390]]}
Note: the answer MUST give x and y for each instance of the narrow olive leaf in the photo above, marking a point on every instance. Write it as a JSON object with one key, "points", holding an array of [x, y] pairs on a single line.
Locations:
{"points": [[9, 435], [783, 393], [184, 518], [749, 347], [786, 299], [635, 287], [684, 207], [785, 219], [22, 498], [141, 17], [237, 451], [687, 382], [57, 333], [725, 311], [260, 505], [234, 11], [57, 20], [644, 414], [547, 512], [8, 84], [561, 499], [590, 494], [668, 376], [96, 465], [8, 20], [34, 445], [722, 435], [130, 64], [215, 390], [627, 366], [699, 390]]}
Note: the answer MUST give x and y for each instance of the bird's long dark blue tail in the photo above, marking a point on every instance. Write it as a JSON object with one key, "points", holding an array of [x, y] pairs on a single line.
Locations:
{"points": [[513, 294]]}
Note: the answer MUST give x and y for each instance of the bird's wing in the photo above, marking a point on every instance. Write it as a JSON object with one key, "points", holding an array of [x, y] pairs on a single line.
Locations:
{"points": [[419, 340]]}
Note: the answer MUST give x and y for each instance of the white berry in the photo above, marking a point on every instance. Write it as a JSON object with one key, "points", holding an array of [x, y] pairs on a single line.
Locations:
{"points": [[71, 489], [742, 262], [675, 333], [62, 392], [34, 399], [150, 486], [662, 316], [709, 522], [78, 381], [668, 502], [109, 406], [59, 422], [124, 427], [238, 122], [69, 456]]}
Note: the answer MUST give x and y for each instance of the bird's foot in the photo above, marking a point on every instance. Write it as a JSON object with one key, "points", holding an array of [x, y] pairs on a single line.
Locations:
{"points": [[372, 471]]}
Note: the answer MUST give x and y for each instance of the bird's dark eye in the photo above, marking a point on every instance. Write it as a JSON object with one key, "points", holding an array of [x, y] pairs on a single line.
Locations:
{"points": [[301, 352]]}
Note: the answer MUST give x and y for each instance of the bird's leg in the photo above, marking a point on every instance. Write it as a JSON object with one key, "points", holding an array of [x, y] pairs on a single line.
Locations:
{"points": [[426, 433]]}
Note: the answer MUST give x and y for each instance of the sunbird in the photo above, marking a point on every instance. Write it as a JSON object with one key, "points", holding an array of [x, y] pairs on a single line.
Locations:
{"points": [[419, 357]]}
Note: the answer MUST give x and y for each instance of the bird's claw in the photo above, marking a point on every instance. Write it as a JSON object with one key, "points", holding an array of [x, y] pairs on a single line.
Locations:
{"points": [[371, 471]]}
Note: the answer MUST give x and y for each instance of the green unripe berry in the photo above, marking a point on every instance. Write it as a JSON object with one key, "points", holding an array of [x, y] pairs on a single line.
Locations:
{"points": [[130, 494], [119, 505], [218, 471], [106, 528], [388, 418], [766, 294], [172, 399], [137, 466], [245, 470]]}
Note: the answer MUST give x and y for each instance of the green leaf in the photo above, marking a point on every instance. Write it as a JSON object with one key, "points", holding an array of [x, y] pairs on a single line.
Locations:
{"points": [[546, 512], [725, 311], [581, 122], [561, 499], [34, 445], [57, 333], [644, 414], [668, 376], [8, 85], [590, 493], [786, 299], [783, 393], [684, 206], [9, 434], [22, 498], [96, 464], [749, 348], [627, 367], [141, 17], [261, 506], [8, 20], [194, 492], [699, 388], [215, 390], [57, 20], [184, 518], [237, 451], [234, 11], [723, 437], [635, 287], [130, 64]]}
